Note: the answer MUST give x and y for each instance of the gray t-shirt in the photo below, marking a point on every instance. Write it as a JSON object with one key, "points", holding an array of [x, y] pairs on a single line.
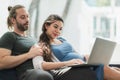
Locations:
{"points": [[18, 45]]}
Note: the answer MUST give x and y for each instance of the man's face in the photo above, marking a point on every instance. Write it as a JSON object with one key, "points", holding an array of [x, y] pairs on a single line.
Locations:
{"points": [[22, 27], [22, 19]]}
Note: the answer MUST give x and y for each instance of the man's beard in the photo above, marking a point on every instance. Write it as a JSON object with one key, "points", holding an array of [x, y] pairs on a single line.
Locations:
{"points": [[22, 27]]}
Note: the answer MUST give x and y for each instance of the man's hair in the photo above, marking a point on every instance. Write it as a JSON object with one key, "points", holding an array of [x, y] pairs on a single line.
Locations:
{"points": [[12, 14]]}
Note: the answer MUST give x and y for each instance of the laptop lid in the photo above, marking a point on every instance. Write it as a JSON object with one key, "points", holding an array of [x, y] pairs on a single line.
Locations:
{"points": [[102, 51]]}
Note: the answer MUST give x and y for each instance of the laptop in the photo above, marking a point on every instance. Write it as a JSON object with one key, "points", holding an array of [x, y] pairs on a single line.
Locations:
{"points": [[101, 52]]}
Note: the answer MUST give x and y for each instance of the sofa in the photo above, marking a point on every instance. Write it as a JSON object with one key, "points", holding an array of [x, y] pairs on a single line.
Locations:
{"points": [[10, 74]]}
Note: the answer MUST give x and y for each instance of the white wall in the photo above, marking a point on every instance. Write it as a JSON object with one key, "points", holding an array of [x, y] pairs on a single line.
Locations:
{"points": [[78, 24], [4, 12], [3, 16]]}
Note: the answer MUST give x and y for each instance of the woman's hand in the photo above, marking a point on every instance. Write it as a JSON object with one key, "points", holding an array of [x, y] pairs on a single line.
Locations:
{"points": [[73, 62]]}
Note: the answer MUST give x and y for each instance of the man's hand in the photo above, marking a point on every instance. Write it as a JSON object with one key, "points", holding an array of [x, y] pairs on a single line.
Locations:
{"points": [[35, 51]]}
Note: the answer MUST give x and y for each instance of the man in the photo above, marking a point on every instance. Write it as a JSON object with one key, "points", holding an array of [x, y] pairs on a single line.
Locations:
{"points": [[16, 48]]}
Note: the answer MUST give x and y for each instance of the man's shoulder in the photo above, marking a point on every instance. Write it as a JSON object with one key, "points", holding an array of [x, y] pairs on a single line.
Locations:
{"points": [[8, 35], [7, 40]]}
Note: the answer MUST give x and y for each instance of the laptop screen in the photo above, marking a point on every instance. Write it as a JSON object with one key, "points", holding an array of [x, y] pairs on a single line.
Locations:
{"points": [[102, 51]]}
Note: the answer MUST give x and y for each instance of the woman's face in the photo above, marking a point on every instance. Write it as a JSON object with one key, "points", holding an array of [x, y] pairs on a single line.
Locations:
{"points": [[54, 30]]}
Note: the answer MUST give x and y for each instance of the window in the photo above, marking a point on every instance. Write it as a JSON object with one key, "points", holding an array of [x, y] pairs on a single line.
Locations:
{"points": [[98, 3], [104, 26]]}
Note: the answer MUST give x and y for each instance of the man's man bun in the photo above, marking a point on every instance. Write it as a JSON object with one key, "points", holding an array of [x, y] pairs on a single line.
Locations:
{"points": [[9, 8]]}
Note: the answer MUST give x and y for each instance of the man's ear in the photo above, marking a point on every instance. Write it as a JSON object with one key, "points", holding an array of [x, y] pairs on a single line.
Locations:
{"points": [[13, 20]]}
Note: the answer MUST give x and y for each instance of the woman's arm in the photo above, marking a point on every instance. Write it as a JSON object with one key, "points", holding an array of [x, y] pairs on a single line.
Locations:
{"points": [[38, 63], [55, 65]]}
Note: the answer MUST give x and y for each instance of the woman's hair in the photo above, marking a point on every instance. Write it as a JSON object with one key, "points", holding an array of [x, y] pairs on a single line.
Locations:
{"points": [[12, 14], [44, 37]]}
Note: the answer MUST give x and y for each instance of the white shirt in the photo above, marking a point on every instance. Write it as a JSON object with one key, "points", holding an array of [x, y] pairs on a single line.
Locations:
{"points": [[38, 60]]}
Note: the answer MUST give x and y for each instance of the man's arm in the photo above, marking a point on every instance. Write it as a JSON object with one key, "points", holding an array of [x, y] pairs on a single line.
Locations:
{"points": [[8, 61]]}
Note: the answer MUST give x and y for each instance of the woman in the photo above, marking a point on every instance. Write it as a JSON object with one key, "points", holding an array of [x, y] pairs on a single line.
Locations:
{"points": [[53, 47]]}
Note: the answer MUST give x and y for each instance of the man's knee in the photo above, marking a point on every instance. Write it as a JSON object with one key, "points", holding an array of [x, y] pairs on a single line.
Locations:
{"points": [[37, 74], [40, 74]]}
